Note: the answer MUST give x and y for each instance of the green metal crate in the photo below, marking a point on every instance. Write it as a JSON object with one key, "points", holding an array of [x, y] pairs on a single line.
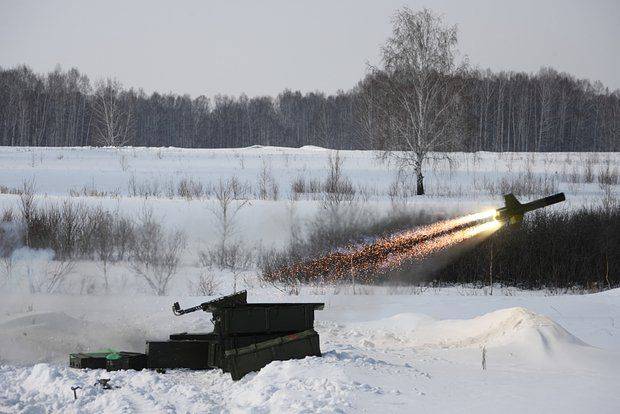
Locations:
{"points": [[241, 361], [264, 318]]}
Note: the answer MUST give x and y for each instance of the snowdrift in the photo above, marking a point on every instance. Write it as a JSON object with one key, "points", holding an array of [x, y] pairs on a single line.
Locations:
{"points": [[519, 328], [392, 364]]}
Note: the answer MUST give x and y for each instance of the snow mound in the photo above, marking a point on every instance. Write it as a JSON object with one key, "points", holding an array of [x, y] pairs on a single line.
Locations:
{"points": [[611, 292], [506, 327], [312, 148], [308, 385], [300, 386]]}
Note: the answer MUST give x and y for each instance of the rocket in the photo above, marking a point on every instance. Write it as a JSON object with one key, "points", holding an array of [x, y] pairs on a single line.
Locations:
{"points": [[513, 211]]}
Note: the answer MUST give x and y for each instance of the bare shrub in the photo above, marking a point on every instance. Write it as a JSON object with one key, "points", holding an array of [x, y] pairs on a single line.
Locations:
{"points": [[88, 286], [267, 186], [400, 191], [204, 285], [73, 231], [55, 274], [190, 189], [301, 186], [315, 186], [10, 239], [28, 207], [122, 160], [170, 189], [337, 187], [146, 189], [609, 202], [608, 176], [271, 262], [123, 237], [338, 207], [92, 191], [275, 190], [71, 218], [264, 180], [588, 171], [574, 177], [225, 211], [298, 185], [155, 255], [43, 273], [103, 226], [523, 184], [407, 289], [9, 190], [234, 256]]}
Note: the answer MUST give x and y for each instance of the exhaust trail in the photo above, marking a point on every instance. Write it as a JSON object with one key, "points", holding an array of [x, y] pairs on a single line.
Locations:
{"points": [[365, 261]]}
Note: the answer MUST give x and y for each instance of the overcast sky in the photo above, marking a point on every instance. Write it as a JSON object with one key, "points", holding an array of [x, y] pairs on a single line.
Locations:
{"points": [[262, 47]]}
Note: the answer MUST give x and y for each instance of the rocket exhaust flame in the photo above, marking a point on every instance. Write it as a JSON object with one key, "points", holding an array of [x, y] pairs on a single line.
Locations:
{"points": [[365, 261]]}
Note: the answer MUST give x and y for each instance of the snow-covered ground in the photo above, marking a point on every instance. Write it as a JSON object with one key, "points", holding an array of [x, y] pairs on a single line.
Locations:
{"points": [[117, 177], [382, 353], [384, 350]]}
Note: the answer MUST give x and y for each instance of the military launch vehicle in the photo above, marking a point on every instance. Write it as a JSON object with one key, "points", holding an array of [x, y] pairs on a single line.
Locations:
{"points": [[245, 338]]}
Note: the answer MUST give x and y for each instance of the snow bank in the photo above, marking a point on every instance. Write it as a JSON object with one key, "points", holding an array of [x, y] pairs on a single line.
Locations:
{"points": [[404, 362], [536, 336]]}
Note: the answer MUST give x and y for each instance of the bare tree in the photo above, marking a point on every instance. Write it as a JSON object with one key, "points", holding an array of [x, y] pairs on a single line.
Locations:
{"points": [[412, 105], [113, 121], [104, 242], [155, 254], [230, 253], [225, 212]]}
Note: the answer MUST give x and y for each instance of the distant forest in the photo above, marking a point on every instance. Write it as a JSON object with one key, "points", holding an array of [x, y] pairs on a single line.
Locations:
{"points": [[507, 111]]}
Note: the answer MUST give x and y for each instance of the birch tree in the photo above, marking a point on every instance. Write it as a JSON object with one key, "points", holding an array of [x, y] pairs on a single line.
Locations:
{"points": [[413, 104], [113, 122]]}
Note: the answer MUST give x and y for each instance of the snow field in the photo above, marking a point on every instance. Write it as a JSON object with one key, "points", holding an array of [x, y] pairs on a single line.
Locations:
{"points": [[382, 352], [470, 183]]}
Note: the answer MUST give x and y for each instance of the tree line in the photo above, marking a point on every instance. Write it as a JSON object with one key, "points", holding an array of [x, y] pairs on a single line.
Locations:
{"points": [[506, 111]]}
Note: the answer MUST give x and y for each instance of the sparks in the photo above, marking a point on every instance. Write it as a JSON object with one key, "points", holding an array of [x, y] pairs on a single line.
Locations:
{"points": [[366, 261]]}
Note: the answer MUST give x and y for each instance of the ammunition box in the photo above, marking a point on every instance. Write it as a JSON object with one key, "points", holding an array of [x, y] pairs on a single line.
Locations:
{"points": [[241, 361], [217, 344], [219, 347], [93, 360], [190, 354], [264, 318], [127, 360], [227, 342]]}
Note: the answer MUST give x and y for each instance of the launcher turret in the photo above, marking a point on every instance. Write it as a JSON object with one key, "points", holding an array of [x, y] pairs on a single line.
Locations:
{"points": [[239, 298]]}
